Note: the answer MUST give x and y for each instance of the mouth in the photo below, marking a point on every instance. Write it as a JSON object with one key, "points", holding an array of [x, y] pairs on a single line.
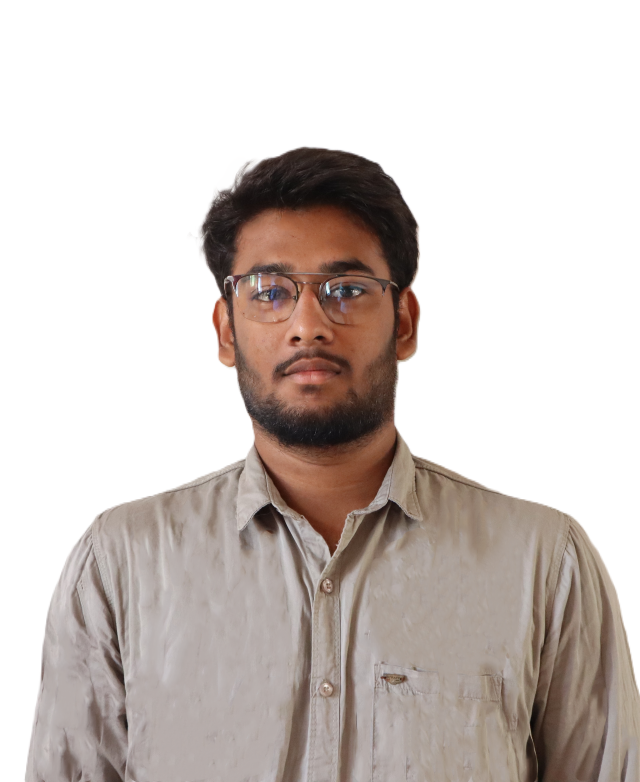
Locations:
{"points": [[314, 371]]}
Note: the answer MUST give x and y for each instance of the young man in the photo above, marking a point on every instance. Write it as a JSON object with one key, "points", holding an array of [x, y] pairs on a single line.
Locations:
{"points": [[331, 608]]}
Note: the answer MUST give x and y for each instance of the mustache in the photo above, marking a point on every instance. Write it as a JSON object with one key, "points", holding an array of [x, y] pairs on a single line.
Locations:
{"points": [[281, 368]]}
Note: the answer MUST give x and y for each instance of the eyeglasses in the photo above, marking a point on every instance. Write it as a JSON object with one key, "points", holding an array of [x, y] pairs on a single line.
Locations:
{"points": [[349, 299]]}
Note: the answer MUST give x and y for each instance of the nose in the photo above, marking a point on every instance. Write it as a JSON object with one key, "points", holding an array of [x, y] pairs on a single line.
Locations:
{"points": [[308, 323]]}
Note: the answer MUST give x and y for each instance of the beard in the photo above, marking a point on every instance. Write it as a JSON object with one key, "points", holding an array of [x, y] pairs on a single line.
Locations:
{"points": [[355, 418]]}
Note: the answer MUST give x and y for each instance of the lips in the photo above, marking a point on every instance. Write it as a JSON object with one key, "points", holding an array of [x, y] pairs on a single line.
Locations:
{"points": [[313, 365], [312, 371]]}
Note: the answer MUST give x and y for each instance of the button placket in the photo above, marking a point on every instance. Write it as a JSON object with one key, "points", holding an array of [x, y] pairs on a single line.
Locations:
{"points": [[324, 729]]}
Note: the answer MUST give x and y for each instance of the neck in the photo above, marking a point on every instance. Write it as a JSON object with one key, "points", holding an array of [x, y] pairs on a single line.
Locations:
{"points": [[326, 484]]}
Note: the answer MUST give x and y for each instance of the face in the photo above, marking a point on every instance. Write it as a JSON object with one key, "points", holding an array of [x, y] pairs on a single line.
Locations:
{"points": [[307, 377]]}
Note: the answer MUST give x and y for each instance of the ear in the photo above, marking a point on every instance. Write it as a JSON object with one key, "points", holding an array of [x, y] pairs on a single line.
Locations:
{"points": [[408, 316], [222, 324]]}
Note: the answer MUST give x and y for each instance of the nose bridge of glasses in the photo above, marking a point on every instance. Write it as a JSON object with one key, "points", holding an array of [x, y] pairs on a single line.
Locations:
{"points": [[320, 278], [309, 309], [315, 293]]}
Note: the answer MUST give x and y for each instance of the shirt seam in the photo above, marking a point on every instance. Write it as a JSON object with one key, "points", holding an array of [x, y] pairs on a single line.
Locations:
{"points": [[461, 480], [201, 481], [554, 570], [80, 593], [102, 570], [480, 487]]}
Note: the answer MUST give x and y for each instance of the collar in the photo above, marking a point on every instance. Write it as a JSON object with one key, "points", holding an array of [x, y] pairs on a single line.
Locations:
{"points": [[256, 489]]}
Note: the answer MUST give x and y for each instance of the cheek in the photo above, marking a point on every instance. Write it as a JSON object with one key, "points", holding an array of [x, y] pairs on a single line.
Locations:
{"points": [[365, 348], [260, 344], [376, 335]]}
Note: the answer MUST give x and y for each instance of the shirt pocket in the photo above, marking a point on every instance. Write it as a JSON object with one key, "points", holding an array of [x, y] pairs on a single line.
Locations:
{"points": [[442, 727], [405, 709]]}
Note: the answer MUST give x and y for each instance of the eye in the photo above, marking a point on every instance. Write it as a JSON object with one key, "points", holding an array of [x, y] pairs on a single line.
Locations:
{"points": [[346, 291], [274, 293]]}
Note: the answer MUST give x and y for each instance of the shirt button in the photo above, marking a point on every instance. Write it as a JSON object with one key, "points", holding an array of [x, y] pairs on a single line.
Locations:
{"points": [[326, 689], [327, 586]]}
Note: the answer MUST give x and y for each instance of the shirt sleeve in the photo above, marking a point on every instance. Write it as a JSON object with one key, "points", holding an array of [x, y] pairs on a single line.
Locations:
{"points": [[586, 717], [80, 729]]}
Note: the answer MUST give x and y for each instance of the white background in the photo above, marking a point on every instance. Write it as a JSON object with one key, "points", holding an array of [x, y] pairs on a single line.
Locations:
{"points": [[512, 130]]}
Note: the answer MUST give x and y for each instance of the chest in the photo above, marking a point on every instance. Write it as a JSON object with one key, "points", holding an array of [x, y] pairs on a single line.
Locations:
{"points": [[415, 637]]}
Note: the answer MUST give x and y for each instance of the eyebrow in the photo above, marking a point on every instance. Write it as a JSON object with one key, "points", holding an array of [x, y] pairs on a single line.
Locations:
{"points": [[330, 267], [348, 265]]}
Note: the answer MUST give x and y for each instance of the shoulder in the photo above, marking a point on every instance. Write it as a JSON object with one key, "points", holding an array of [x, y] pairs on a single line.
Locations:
{"points": [[76, 564], [436, 469], [191, 502], [520, 524], [431, 476]]}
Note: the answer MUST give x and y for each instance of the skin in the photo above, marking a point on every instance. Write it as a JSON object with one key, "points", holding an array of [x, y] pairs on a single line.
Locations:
{"points": [[322, 485]]}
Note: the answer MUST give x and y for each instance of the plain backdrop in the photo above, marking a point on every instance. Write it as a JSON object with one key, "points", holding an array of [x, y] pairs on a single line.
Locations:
{"points": [[512, 130]]}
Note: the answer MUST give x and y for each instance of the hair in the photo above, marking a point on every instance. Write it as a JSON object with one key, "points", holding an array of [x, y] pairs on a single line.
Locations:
{"points": [[309, 177]]}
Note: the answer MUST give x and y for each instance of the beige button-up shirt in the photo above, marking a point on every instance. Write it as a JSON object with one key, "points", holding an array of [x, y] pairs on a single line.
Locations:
{"points": [[207, 634]]}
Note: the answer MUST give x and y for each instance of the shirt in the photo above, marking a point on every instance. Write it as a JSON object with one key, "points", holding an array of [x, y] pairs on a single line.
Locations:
{"points": [[207, 633]]}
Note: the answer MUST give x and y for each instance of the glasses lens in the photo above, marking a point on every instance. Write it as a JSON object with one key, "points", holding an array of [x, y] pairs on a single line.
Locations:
{"points": [[351, 300], [267, 298]]}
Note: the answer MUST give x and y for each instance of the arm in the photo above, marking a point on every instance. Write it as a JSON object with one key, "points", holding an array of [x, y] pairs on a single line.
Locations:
{"points": [[80, 729], [586, 716]]}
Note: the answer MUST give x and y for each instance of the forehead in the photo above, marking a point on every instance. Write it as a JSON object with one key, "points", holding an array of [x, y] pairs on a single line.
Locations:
{"points": [[306, 239]]}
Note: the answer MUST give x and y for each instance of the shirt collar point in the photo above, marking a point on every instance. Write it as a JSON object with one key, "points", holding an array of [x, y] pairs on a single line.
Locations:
{"points": [[402, 490], [409, 506]]}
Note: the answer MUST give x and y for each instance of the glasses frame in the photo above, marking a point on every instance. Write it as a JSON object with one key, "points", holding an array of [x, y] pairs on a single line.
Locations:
{"points": [[234, 279]]}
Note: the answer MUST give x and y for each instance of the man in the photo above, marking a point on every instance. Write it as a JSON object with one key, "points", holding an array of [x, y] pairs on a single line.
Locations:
{"points": [[331, 608]]}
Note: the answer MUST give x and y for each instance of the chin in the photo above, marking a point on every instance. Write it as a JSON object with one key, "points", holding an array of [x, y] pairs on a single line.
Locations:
{"points": [[313, 398]]}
